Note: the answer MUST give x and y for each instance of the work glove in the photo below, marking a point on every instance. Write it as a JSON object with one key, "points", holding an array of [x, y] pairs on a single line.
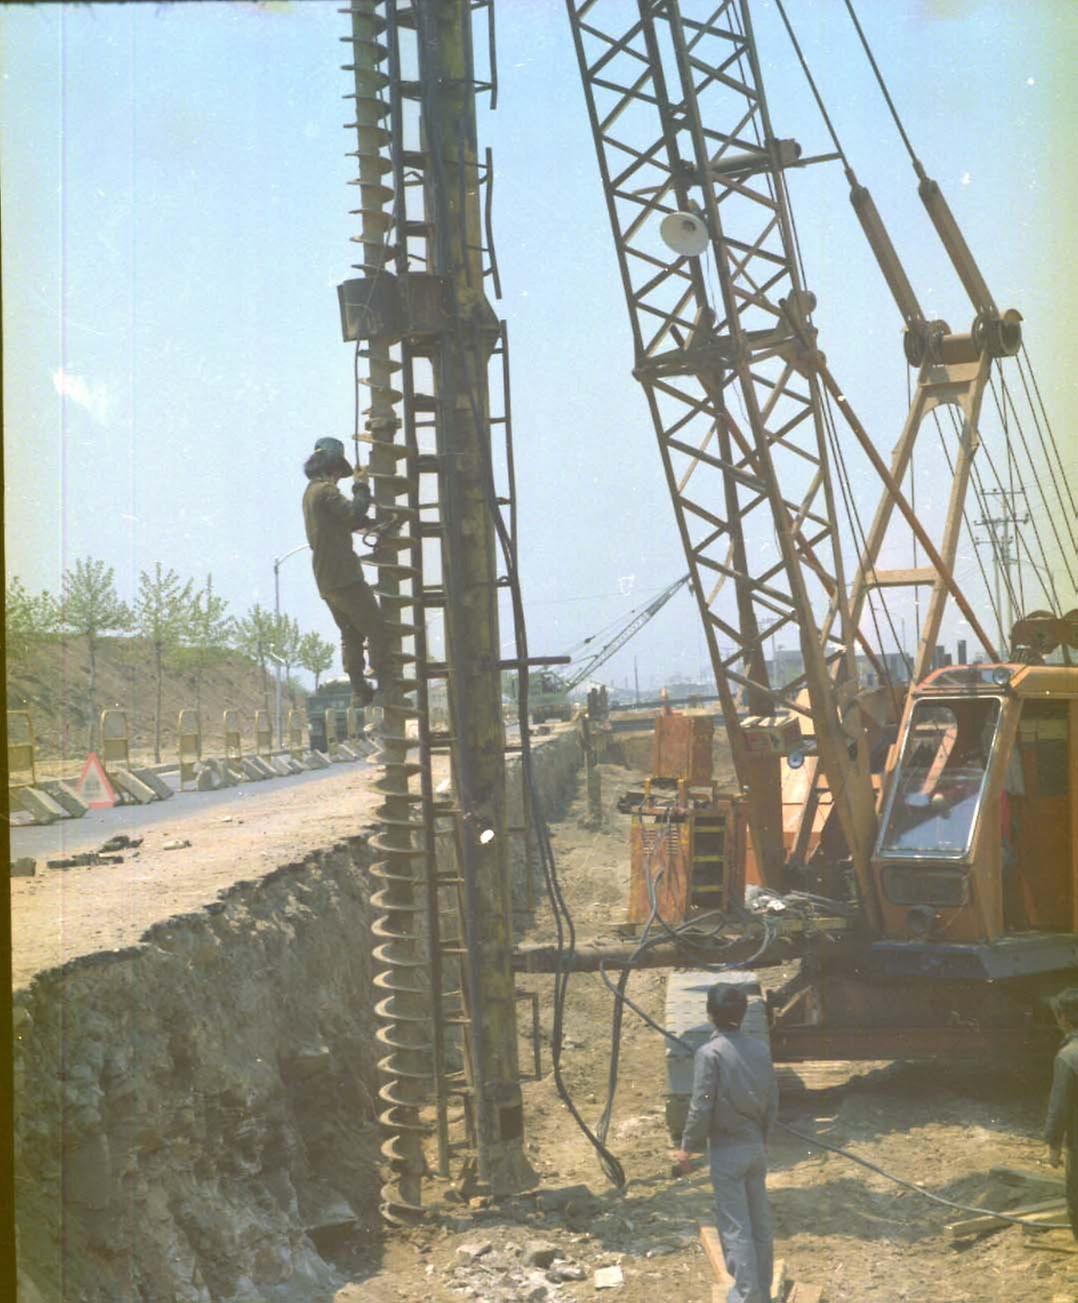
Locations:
{"points": [[361, 491]]}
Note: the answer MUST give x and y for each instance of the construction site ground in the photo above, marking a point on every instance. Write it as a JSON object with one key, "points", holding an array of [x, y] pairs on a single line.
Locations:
{"points": [[838, 1226]]}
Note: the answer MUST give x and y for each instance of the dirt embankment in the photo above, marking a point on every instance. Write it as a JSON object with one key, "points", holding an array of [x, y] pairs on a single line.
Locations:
{"points": [[195, 1112], [195, 1116], [53, 684]]}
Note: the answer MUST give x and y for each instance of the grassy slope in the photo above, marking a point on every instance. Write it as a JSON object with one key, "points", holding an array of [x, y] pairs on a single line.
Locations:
{"points": [[53, 684]]}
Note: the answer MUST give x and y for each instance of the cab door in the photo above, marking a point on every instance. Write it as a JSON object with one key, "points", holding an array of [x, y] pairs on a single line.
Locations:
{"points": [[1037, 819]]}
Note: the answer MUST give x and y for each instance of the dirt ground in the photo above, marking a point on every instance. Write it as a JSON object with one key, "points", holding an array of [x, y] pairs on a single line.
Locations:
{"points": [[60, 914], [838, 1226]]}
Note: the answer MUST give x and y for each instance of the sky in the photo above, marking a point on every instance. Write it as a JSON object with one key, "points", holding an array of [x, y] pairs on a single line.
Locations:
{"points": [[175, 222]]}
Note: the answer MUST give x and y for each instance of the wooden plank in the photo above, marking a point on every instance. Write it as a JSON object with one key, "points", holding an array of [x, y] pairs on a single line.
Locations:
{"points": [[1019, 1176], [712, 1245], [802, 1293], [1034, 1212]]}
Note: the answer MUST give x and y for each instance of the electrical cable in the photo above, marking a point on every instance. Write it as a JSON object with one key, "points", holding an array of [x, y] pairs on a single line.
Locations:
{"points": [[864, 1162], [564, 927]]}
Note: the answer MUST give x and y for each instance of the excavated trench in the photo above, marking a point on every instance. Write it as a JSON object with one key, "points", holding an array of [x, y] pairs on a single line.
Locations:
{"points": [[194, 1114]]}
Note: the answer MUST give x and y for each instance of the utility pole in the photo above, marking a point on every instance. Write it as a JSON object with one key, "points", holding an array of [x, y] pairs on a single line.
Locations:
{"points": [[1003, 535]]}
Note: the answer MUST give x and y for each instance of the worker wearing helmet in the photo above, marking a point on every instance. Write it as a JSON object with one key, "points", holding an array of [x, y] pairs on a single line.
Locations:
{"points": [[731, 1112], [1061, 1126], [330, 520]]}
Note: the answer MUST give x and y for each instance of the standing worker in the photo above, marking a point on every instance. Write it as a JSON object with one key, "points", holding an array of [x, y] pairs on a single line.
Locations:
{"points": [[733, 1106], [330, 520], [1062, 1121]]}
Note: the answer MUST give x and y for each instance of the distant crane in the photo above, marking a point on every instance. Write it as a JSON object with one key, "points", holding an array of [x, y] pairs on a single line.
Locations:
{"points": [[549, 692]]}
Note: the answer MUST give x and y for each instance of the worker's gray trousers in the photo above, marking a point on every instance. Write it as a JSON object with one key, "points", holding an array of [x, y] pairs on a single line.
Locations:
{"points": [[738, 1176]]}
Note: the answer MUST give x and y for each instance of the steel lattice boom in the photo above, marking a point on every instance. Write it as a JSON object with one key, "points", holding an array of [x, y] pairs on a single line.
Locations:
{"points": [[680, 125]]}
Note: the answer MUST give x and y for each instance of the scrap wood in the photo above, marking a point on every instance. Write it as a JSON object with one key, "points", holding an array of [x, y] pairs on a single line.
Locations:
{"points": [[1045, 1211], [798, 1291], [1018, 1176], [1055, 1242], [712, 1245], [802, 1293]]}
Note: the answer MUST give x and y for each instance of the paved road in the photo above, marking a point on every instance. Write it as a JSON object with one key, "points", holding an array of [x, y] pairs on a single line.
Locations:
{"points": [[49, 841]]}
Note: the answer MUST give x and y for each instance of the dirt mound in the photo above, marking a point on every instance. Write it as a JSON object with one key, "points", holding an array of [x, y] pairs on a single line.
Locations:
{"points": [[54, 683]]}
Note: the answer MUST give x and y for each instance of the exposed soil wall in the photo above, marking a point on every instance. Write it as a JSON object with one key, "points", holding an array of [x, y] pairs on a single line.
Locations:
{"points": [[195, 1113]]}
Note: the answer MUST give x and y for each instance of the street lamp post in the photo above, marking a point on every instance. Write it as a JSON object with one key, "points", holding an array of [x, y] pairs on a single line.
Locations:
{"points": [[303, 547]]}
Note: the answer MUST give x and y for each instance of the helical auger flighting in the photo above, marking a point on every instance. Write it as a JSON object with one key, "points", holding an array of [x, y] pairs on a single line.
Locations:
{"points": [[403, 982]]}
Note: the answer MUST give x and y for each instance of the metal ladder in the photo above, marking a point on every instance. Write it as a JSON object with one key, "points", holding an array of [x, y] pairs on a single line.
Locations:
{"points": [[420, 930]]}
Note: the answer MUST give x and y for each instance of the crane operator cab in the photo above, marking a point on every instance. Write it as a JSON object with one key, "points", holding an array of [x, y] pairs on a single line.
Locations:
{"points": [[978, 836]]}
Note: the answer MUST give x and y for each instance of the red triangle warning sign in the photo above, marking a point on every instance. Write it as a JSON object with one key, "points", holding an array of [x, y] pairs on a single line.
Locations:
{"points": [[94, 786]]}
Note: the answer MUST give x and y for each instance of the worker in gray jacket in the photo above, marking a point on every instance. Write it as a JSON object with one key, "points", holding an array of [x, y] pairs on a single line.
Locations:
{"points": [[1061, 1125], [733, 1106]]}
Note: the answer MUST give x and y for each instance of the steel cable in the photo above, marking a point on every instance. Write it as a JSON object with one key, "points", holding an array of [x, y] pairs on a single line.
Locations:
{"points": [[1051, 436]]}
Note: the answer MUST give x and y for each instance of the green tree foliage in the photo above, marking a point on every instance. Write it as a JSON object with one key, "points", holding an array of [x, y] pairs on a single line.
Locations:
{"points": [[210, 631], [315, 655], [287, 643], [27, 619], [163, 615], [89, 608], [255, 639]]}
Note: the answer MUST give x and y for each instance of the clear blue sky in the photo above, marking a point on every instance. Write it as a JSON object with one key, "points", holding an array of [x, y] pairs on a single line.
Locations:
{"points": [[175, 222]]}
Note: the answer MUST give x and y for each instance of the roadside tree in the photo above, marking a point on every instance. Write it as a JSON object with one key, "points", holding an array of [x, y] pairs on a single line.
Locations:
{"points": [[287, 646], [316, 655], [210, 632], [27, 619], [163, 615], [89, 608], [255, 640]]}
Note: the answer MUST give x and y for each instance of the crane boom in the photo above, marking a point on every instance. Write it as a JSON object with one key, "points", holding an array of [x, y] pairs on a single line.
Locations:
{"points": [[624, 635], [680, 123]]}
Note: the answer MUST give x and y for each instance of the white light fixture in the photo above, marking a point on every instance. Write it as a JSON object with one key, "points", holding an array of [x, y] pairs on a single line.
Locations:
{"points": [[684, 233]]}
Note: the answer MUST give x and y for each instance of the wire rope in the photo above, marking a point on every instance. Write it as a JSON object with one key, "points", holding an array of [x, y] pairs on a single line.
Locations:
{"points": [[1051, 436], [1008, 400], [886, 93], [1050, 585], [815, 91]]}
